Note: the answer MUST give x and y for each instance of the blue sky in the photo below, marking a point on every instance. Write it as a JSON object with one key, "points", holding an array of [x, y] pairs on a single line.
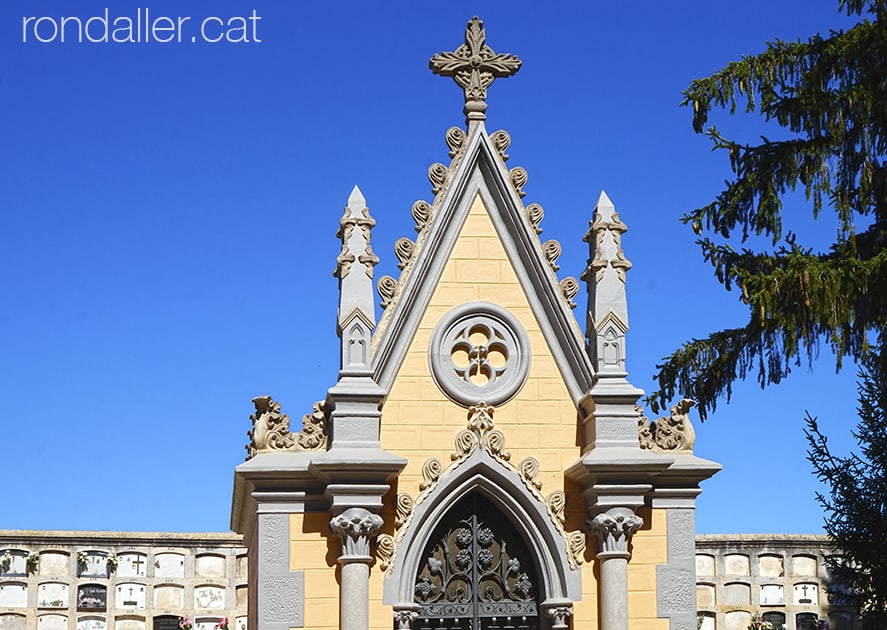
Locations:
{"points": [[168, 215]]}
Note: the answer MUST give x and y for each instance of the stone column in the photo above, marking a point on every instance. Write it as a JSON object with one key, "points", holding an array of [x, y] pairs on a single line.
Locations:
{"points": [[614, 529], [355, 526]]}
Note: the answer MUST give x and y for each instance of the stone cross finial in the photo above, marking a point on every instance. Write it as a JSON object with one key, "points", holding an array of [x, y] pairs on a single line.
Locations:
{"points": [[474, 66]]}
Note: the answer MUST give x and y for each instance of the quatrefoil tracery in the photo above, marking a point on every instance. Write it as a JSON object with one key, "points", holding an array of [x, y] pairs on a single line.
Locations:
{"points": [[479, 353]]}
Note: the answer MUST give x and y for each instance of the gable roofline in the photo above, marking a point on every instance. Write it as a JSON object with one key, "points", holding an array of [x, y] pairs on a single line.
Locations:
{"points": [[480, 171]]}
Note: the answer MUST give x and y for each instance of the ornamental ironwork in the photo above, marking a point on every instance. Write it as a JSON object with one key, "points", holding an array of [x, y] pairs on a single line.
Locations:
{"points": [[476, 573]]}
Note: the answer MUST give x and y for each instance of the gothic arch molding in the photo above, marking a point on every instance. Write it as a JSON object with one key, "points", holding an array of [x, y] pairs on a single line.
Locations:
{"points": [[481, 472]]}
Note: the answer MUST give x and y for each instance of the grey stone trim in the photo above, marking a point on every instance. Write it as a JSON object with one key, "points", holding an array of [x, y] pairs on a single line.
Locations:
{"points": [[280, 593], [481, 472], [511, 337], [288, 502], [283, 474], [481, 171], [678, 485], [676, 580]]}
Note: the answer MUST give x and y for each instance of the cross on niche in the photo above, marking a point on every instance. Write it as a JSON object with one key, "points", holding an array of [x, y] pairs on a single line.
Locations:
{"points": [[137, 563], [474, 66], [805, 599]]}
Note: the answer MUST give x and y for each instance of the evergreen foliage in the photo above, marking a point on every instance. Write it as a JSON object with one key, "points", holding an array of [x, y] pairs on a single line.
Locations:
{"points": [[829, 96], [856, 505]]}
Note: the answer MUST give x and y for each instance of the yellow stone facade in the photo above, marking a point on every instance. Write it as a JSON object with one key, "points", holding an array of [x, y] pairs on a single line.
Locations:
{"points": [[419, 422]]}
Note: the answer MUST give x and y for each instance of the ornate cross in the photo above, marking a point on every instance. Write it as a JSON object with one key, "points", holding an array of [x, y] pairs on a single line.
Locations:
{"points": [[474, 66]]}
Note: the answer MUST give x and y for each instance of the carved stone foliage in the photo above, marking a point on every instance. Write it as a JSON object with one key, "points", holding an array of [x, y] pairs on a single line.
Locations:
{"points": [[552, 251], [576, 547], [519, 177], [271, 429], [346, 257], [387, 287], [404, 508], [560, 616], [529, 471], [385, 550], [481, 432], [603, 229], [535, 213], [312, 436], [404, 618], [557, 505], [614, 529], [356, 527], [431, 471], [569, 289], [404, 249], [474, 66], [669, 434], [455, 140], [501, 141], [421, 212], [437, 175]]}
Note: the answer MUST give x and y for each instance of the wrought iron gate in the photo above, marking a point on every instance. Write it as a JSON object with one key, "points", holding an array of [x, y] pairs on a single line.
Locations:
{"points": [[477, 573]]}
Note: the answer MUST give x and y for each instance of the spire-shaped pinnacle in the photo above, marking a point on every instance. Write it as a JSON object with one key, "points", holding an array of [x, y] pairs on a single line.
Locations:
{"points": [[605, 276], [354, 268], [474, 66]]}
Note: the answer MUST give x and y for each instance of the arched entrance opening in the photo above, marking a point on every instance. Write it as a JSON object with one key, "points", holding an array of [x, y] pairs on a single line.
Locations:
{"points": [[476, 573]]}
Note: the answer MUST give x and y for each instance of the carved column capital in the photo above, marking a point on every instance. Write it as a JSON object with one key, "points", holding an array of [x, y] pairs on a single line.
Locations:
{"points": [[560, 616], [404, 616], [614, 529], [356, 526]]}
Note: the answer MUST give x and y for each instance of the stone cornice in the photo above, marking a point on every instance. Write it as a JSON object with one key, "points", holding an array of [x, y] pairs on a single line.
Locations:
{"points": [[12, 537]]}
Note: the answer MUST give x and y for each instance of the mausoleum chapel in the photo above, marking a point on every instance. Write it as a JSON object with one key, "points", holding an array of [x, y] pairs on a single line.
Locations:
{"points": [[481, 461]]}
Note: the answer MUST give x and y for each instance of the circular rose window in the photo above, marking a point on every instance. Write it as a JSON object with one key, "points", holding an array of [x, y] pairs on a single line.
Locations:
{"points": [[479, 352]]}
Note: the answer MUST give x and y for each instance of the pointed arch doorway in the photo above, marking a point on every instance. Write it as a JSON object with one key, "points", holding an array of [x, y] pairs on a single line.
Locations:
{"points": [[476, 573]]}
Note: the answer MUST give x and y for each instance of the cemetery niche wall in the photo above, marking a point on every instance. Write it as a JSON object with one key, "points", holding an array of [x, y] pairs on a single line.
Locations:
{"points": [[769, 572], [121, 580], [440, 483]]}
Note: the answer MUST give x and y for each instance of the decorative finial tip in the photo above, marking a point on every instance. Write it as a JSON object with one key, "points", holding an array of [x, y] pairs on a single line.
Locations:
{"points": [[604, 201], [356, 198]]}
